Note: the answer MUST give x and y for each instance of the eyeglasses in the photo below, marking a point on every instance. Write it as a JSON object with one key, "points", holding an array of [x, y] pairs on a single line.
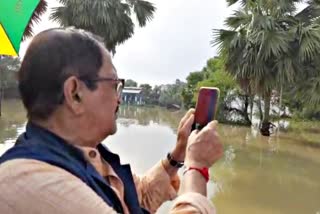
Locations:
{"points": [[118, 86]]}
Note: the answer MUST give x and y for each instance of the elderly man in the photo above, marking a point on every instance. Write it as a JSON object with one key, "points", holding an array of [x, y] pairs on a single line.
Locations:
{"points": [[72, 92]]}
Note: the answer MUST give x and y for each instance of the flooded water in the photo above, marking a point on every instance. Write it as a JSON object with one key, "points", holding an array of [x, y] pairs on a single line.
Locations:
{"points": [[257, 174]]}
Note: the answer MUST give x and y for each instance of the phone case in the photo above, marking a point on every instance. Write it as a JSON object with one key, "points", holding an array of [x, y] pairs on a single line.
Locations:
{"points": [[206, 106]]}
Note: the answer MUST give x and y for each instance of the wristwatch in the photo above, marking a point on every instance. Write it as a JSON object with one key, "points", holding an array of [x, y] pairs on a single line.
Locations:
{"points": [[174, 163]]}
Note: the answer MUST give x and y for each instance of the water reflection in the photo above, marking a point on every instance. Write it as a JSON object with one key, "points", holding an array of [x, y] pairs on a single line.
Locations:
{"points": [[260, 181], [12, 123], [267, 175], [129, 115], [257, 174], [277, 174]]}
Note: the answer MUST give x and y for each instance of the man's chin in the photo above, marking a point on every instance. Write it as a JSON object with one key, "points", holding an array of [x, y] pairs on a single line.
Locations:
{"points": [[114, 130]]}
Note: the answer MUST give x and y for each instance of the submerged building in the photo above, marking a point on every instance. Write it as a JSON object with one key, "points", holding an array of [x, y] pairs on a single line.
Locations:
{"points": [[132, 96]]}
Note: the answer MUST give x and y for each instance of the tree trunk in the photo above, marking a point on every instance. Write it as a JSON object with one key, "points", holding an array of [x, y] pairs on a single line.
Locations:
{"points": [[245, 113], [251, 106], [280, 102], [266, 115], [260, 109], [266, 125]]}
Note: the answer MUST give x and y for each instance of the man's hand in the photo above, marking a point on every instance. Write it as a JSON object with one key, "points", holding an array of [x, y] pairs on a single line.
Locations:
{"points": [[184, 131], [204, 147], [203, 150]]}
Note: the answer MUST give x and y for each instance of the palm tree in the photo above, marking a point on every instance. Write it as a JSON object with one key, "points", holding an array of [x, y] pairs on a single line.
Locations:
{"points": [[307, 87], [266, 46], [110, 19]]}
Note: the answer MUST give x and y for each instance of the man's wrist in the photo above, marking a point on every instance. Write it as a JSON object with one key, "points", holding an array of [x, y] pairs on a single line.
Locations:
{"points": [[174, 162], [204, 171], [171, 171], [194, 182], [178, 154]]}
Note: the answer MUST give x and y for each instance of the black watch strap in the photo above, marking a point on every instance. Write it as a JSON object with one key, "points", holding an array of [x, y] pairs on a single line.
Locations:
{"points": [[174, 163]]}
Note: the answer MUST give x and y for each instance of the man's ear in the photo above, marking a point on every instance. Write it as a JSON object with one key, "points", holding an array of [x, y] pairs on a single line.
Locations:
{"points": [[72, 88]]}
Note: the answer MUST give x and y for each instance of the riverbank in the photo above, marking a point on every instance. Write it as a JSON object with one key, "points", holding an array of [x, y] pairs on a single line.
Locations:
{"points": [[308, 132], [284, 163], [299, 132]]}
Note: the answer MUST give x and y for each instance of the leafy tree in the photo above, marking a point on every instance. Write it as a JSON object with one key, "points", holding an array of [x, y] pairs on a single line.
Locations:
{"points": [[131, 83], [227, 87], [232, 103], [110, 19], [9, 67], [146, 91], [171, 94], [190, 89], [155, 95], [266, 46]]}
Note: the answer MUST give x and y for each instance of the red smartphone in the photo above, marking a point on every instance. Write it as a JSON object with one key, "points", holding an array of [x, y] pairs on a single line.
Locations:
{"points": [[206, 108]]}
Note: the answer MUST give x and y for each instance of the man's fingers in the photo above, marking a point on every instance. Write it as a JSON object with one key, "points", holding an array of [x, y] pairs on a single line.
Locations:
{"points": [[188, 124], [191, 111], [213, 124], [186, 116], [210, 126]]}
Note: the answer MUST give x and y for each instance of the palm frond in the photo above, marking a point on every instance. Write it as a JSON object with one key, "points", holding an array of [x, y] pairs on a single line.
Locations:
{"points": [[308, 91], [144, 11], [309, 42], [60, 15], [273, 44], [243, 3], [240, 18], [111, 19], [309, 14], [35, 18]]}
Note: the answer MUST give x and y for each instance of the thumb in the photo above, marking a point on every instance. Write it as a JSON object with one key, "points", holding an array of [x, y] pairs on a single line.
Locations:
{"points": [[194, 132], [213, 124]]}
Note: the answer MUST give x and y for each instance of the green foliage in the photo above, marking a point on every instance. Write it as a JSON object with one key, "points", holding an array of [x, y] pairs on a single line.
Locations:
{"points": [[130, 83], [310, 112], [194, 78], [162, 95], [234, 103], [267, 47], [9, 67], [110, 19], [299, 103], [308, 90], [212, 75], [155, 95], [171, 94], [146, 91], [188, 92], [221, 79]]}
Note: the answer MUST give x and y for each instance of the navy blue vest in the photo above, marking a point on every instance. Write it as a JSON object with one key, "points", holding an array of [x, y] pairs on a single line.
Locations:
{"points": [[40, 144]]}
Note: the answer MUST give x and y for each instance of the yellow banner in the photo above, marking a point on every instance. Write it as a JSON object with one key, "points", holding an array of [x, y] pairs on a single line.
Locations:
{"points": [[6, 47]]}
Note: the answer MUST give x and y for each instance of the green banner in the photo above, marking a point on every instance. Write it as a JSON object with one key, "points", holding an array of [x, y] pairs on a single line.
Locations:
{"points": [[14, 18]]}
